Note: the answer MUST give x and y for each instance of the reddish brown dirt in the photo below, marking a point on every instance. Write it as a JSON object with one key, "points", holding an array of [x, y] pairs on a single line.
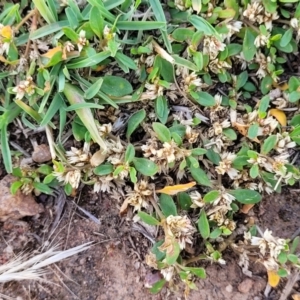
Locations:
{"points": [[113, 268]]}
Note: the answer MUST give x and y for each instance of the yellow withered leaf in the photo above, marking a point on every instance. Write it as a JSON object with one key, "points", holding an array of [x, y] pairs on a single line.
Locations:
{"points": [[283, 86], [279, 115], [53, 51], [174, 189], [273, 278], [296, 297], [6, 32]]}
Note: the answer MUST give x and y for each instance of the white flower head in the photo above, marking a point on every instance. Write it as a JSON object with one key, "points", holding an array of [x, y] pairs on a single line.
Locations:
{"points": [[81, 40]]}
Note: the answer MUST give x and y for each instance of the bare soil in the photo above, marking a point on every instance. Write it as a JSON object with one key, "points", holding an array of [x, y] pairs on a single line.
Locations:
{"points": [[113, 268]]}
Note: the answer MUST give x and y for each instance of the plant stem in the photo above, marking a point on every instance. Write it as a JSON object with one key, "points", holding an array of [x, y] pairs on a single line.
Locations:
{"points": [[32, 13], [157, 209]]}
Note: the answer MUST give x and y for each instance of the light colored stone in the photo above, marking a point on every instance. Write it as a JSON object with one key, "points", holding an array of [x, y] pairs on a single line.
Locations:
{"points": [[245, 286], [229, 288], [41, 154], [14, 207]]}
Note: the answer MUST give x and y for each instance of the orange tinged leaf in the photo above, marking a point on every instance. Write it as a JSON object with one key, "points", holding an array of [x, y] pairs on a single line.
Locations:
{"points": [[149, 70], [273, 278], [279, 115], [246, 208], [53, 51], [242, 129], [174, 189], [296, 297], [124, 207], [100, 68]]}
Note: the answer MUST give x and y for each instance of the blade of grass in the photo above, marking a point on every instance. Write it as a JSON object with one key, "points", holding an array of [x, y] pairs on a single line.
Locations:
{"points": [[75, 96], [6, 154], [84, 105], [53, 108], [45, 11], [140, 25], [88, 61], [48, 29], [105, 13], [160, 16]]}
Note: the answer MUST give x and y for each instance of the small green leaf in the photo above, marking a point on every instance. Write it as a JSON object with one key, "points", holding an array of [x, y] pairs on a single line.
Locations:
{"points": [[295, 244], [249, 48], [295, 120], [184, 201], [71, 34], [294, 96], [269, 144], [132, 174], [161, 109], [198, 151], [254, 171], [286, 38], [49, 178], [93, 90], [104, 169], [15, 186], [17, 172], [182, 34], [200, 176], [42, 188], [230, 134], [148, 219], [253, 131], [116, 86], [241, 80], [263, 106], [118, 170], [266, 84], [211, 196], [282, 272], [145, 166], [130, 153], [293, 258], [96, 21], [202, 25], [167, 205], [282, 257], [246, 196], [158, 254], [213, 156], [204, 98], [45, 169], [216, 233], [163, 133], [172, 256], [157, 286], [199, 272], [134, 121], [203, 225]]}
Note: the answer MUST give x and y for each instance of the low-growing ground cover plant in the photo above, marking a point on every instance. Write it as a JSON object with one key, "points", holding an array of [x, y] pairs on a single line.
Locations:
{"points": [[187, 109]]}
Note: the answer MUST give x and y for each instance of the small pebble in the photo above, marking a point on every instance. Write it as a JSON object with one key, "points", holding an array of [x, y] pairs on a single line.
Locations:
{"points": [[229, 288], [41, 153], [245, 286]]}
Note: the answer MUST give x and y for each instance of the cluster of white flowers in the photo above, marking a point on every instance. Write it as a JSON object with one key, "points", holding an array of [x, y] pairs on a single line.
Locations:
{"points": [[256, 13], [177, 228], [269, 247], [163, 156], [138, 198], [25, 87]]}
